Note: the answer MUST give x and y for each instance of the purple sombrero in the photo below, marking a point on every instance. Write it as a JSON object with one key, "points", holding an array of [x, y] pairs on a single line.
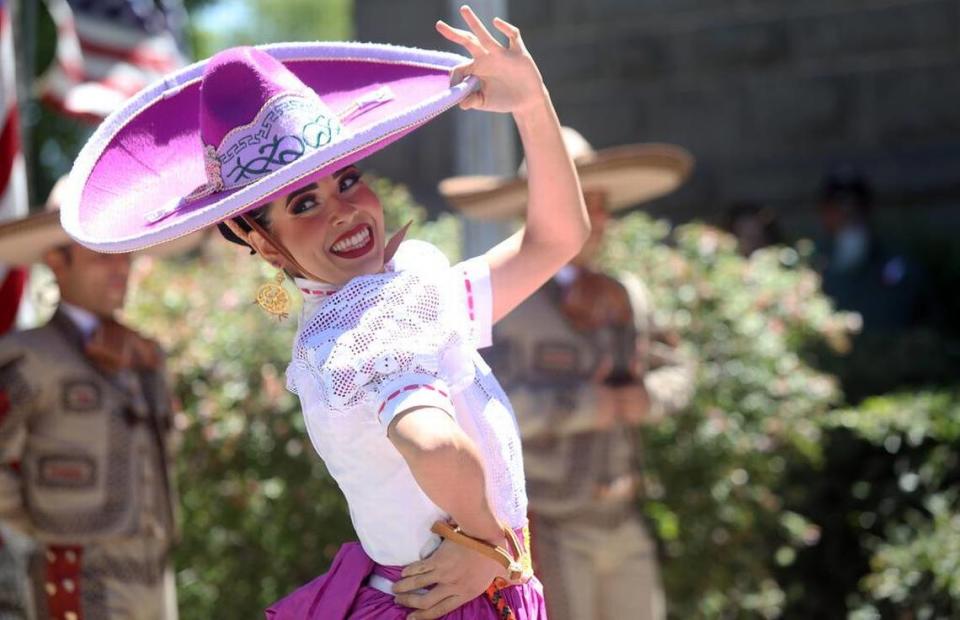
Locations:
{"points": [[228, 134]]}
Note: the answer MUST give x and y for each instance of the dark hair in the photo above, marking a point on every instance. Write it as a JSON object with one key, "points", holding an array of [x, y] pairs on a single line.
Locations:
{"points": [[752, 210], [847, 184], [743, 210], [261, 215]]}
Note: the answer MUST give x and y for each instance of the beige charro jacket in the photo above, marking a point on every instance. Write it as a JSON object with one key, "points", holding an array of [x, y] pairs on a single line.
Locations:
{"points": [[547, 369], [84, 467]]}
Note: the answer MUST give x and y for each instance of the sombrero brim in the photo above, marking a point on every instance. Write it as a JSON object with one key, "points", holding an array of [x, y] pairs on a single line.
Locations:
{"points": [[24, 241], [148, 153], [628, 175]]}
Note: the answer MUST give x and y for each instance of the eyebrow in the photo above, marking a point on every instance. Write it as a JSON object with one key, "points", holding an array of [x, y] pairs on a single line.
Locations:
{"points": [[313, 186], [339, 173], [303, 190]]}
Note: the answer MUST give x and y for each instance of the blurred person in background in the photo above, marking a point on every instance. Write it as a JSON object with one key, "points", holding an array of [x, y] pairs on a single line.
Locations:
{"points": [[859, 272], [86, 494], [754, 227], [584, 365]]}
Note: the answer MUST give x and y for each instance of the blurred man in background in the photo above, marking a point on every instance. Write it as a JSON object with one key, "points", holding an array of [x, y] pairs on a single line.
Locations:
{"points": [[584, 365], [85, 428], [859, 272], [754, 227]]}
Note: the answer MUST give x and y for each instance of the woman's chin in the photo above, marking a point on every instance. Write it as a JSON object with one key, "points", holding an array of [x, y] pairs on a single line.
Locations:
{"points": [[345, 269]]}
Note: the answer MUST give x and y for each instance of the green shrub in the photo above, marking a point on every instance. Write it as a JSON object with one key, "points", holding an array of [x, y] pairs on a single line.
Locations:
{"points": [[908, 519], [718, 471]]}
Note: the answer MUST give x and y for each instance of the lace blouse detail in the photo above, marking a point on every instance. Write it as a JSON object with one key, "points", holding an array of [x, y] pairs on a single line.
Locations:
{"points": [[383, 333], [386, 343]]}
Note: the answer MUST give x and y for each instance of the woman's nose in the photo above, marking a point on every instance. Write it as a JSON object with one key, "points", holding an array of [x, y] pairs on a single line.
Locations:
{"points": [[341, 211]]}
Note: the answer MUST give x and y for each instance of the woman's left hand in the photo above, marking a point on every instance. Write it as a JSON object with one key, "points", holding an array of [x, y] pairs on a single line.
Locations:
{"points": [[456, 576], [509, 78]]}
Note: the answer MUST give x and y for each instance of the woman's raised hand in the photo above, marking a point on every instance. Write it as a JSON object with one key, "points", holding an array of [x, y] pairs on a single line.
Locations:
{"points": [[509, 78]]}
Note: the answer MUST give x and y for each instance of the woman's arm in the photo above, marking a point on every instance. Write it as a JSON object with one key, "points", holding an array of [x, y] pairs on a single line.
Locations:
{"points": [[447, 466], [556, 222]]}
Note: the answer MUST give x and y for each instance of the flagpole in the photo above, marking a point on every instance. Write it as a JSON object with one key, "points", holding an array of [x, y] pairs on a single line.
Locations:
{"points": [[25, 40]]}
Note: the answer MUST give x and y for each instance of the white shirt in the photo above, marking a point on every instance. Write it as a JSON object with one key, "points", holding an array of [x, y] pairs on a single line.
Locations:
{"points": [[86, 321], [383, 344]]}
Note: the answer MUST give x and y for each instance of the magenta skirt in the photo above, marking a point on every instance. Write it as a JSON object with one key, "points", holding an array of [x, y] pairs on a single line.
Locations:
{"points": [[342, 594]]}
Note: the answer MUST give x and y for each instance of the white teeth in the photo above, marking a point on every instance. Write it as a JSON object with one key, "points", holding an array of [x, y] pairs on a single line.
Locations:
{"points": [[352, 243]]}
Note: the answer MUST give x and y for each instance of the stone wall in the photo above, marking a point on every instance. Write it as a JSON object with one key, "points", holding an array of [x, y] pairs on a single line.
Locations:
{"points": [[767, 94]]}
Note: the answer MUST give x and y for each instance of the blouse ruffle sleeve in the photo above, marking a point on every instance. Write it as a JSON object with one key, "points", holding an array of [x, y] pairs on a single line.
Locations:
{"points": [[470, 283], [387, 342]]}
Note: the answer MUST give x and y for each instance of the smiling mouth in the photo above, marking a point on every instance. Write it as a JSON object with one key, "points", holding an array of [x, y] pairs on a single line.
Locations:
{"points": [[354, 243]]}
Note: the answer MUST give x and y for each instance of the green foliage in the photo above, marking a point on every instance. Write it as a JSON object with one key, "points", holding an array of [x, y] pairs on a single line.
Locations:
{"points": [[226, 23], [801, 508], [910, 520], [260, 514], [717, 488], [916, 417], [919, 567]]}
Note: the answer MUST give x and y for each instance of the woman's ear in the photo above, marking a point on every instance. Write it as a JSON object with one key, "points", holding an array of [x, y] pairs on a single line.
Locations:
{"points": [[258, 243], [267, 250]]}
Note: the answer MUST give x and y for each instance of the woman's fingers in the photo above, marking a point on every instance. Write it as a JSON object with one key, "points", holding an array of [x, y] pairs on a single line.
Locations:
{"points": [[461, 37], [458, 73], [414, 583], [512, 32], [425, 600], [439, 610], [473, 101], [479, 30], [417, 568]]}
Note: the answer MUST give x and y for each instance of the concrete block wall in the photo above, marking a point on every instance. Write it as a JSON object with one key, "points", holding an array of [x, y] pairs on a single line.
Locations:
{"points": [[767, 94]]}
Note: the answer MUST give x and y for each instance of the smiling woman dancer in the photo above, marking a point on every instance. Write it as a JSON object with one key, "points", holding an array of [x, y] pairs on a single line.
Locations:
{"points": [[406, 415]]}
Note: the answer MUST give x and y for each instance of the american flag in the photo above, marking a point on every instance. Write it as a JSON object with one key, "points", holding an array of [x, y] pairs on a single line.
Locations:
{"points": [[13, 180], [107, 50]]}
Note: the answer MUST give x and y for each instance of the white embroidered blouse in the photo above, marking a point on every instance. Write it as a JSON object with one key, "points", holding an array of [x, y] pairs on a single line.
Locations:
{"points": [[384, 343]]}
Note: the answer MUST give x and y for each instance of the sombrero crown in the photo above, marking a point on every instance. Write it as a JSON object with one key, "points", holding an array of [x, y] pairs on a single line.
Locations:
{"points": [[248, 125]]}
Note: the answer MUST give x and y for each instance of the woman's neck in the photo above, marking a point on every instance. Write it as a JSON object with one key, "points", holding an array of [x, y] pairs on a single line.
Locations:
{"points": [[314, 292]]}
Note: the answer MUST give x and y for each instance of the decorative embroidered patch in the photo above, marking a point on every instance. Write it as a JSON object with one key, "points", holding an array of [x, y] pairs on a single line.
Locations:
{"points": [[287, 127], [73, 472], [81, 396], [556, 358]]}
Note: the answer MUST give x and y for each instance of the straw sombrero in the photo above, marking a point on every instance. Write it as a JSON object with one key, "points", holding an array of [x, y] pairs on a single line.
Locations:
{"points": [[628, 175], [25, 240], [233, 132]]}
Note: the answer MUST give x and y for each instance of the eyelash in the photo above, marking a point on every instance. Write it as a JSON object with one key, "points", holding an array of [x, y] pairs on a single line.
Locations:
{"points": [[307, 202], [354, 176], [304, 204]]}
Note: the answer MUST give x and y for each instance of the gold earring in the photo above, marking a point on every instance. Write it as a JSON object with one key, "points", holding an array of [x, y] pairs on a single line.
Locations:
{"points": [[273, 298]]}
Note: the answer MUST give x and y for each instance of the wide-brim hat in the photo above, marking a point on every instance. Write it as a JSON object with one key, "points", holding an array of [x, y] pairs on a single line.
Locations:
{"points": [[628, 175], [24, 241], [244, 127]]}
